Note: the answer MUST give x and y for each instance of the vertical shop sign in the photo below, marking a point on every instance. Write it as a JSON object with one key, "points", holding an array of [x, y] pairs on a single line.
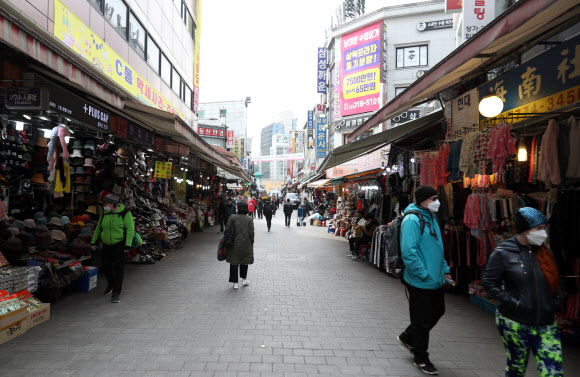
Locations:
{"points": [[448, 119], [195, 98], [295, 136], [230, 139], [320, 137], [384, 52], [242, 150], [337, 91], [361, 70], [321, 69], [237, 146], [453, 6], [310, 129], [300, 141], [181, 186], [476, 15]]}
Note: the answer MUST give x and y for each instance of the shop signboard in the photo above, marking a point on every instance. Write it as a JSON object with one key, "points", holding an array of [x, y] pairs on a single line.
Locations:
{"points": [[321, 71], [310, 129], [78, 37], [237, 146], [464, 113], [384, 52], [279, 157], [230, 143], [76, 108], [406, 116], [453, 6], [242, 150], [26, 98], [163, 169], [181, 186], [140, 135], [476, 15], [361, 70], [361, 164], [195, 97], [320, 137], [435, 25], [545, 83], [337, 91], [300, 142], [350, 123], [281, 139], [223, 113], [212, 132]]}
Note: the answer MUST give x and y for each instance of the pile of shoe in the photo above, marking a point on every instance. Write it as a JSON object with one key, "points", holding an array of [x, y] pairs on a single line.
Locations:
{"points": [[173, 232]]}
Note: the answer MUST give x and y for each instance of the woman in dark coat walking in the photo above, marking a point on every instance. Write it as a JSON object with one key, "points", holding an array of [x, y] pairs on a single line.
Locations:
{"points": [[241, 253]]}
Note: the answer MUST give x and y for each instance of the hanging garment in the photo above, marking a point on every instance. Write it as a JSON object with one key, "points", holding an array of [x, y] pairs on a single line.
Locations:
{"points": [[466, 164], [453, 159], [573, 165], [428, 174], [442, 172], [501, 146], [548, 169], [481, 147]]}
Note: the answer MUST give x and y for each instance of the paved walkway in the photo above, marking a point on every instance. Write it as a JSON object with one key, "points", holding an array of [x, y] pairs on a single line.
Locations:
{"points": [[309, 311]]}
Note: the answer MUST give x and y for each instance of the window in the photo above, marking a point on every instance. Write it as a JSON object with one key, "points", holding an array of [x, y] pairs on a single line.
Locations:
{"points": [[153, 54], [165, 70], [116, 15], [97, 4], [187, 99], [201, 114], [190, 27], [399, 90], [175, 82], [136, 35], [414, 56]]}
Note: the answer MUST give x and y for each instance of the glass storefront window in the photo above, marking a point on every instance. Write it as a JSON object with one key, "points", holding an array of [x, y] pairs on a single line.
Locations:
{"points": [[165, 70], [116, 15], [153, 55], [136, 35]]}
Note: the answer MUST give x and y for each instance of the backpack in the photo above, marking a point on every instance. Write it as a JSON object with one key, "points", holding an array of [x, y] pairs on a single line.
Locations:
{"points": [[268, 208], [396, 265]]}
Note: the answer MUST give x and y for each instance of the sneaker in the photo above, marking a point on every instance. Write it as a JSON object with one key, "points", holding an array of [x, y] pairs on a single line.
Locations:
{"points": [[108, 291], [427, 368], [116, 298], [406, 345], [245, 282], [235, 285]]}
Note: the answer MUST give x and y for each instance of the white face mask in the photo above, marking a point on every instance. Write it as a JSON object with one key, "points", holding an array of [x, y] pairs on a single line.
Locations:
{"points": [[434, 206], [538, 237], [107, 209]]}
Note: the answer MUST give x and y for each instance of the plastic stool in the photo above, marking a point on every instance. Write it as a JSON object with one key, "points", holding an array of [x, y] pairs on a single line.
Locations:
{"points": [[330, 229], [322, 223], [362, 248], [342, 232]]}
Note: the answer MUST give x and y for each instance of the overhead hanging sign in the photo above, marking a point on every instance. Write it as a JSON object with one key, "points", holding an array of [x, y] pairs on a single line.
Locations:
{"points": [[82, 40], [212, 132], [279, 157], [321, 70], [310, 129], [230, 139], [545, 83], [435, 25], [320, 137]]}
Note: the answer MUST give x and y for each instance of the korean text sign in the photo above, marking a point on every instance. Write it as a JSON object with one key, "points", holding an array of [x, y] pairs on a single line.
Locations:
{"points": [[476, 15], [320, 137], [321, 71], [310, 129], [163, 169], [361, 70], [545, 83], [82, 40], [213, 132], [230, 139]]}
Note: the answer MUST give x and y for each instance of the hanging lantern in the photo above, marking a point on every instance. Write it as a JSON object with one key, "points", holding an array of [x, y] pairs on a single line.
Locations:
{"points": [[522, 151], [491, 106]]}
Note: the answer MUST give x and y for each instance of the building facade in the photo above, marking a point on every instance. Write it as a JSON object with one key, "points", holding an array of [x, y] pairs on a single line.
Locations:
{"points": [[268, 147], [373, 58]]}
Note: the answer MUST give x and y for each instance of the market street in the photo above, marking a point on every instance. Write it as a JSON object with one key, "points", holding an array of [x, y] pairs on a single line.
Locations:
{"points": [[309, 311]]}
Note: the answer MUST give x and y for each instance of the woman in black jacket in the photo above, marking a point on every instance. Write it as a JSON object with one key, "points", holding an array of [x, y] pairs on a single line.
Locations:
{"points": [[522, 275]]}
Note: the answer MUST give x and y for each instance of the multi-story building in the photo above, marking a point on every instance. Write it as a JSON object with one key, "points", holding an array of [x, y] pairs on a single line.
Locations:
{"points": [[374, 57], [267, 140], [231, 119]]}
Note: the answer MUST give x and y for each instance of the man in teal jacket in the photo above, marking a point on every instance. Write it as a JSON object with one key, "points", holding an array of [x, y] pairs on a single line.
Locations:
{"points": [[115, 229], [424, 275]]}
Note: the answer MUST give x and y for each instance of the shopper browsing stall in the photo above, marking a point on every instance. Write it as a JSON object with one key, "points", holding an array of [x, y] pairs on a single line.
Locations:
{"points": [[523, 277], [115, 229], [366, 237]]}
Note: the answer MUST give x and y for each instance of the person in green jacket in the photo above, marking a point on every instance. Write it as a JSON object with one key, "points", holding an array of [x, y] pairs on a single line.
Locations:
{"points": [[115, 229]]}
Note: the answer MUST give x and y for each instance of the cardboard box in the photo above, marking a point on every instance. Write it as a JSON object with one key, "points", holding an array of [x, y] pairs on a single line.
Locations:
{"points": [[89, 280], [13, 331], [159, 236], [38, 316], [13, 317]]}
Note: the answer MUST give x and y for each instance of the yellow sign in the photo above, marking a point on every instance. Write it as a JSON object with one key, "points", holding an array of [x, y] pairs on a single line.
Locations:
{"points": [[78, 37], [360, 83], [163, 169], [196, 58], [181, 187]]}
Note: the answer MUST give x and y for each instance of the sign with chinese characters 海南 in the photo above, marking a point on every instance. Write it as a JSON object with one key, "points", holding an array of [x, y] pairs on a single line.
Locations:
{"points": [[545, 83]]}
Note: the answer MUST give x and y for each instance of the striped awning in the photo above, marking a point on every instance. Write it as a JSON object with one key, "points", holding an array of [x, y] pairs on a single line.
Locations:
{"points": [[226, 174]]}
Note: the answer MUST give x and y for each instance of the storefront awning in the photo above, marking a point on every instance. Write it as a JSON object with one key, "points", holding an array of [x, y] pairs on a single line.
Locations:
{"points": [[317, 184], [233, 186], [523, 25], [226, 174], [369, 144], [311, 179]]}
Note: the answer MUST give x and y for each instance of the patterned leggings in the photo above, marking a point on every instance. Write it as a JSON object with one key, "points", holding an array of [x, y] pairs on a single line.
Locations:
{"points": [[543, 341]]}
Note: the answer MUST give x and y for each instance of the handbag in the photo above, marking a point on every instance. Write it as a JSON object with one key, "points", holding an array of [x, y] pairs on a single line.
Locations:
{"points": [[222, 253]]}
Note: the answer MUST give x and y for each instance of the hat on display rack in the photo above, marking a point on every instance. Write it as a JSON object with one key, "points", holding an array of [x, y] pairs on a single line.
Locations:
{"points": [[89, 163], [122, 152], [78, 144], [77, 154], [90, 145]]}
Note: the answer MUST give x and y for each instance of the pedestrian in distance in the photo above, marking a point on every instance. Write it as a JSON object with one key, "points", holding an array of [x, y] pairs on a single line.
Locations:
{"points": [[241, 253], [251, 207], [522, 276], [424, 274], [222, 215], [229, 209], [115, 229], [274, 203], [268, 210], [288, 209], [260, 208]]}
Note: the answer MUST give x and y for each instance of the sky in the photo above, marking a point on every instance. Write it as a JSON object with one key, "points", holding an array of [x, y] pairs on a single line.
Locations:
{"points": [[265, 49]]}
